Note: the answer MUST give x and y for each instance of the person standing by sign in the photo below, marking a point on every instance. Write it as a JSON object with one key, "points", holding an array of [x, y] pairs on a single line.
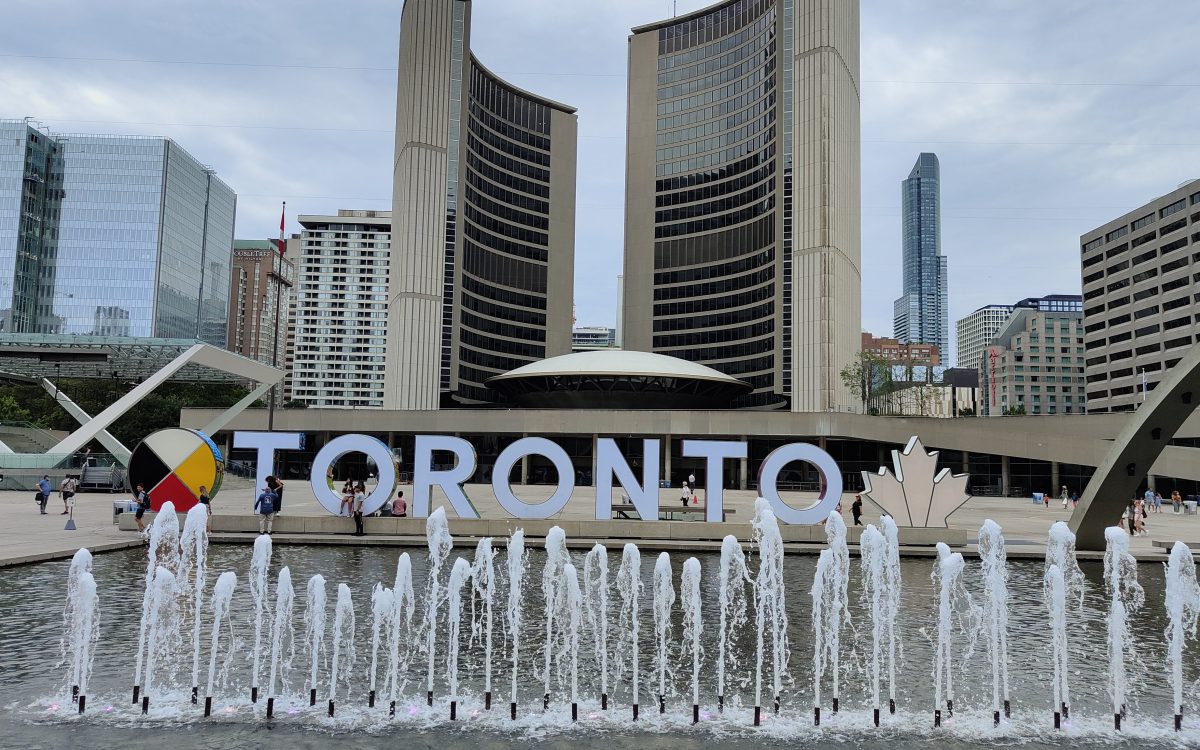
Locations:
{"points": [[686, 494], [360, 497], [276, 487], [264, 506], [142, 498]]}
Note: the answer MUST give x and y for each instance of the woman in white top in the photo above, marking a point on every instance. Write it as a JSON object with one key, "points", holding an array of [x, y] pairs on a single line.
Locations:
{"points": [[360, 497]]}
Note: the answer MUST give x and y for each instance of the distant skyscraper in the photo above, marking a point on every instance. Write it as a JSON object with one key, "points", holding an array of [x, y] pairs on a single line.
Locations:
{"points": [[742, 196], [483, 205], [922, 313], [974, 332], [111, 235], [260, 286]]}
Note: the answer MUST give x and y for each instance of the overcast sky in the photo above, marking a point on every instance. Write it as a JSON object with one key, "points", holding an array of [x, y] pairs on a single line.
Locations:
{"points": [[1049, 118]]}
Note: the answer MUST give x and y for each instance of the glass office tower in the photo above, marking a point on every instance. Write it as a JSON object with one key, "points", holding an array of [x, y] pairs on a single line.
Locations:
{"points": [[922, 314], [115, 235]]}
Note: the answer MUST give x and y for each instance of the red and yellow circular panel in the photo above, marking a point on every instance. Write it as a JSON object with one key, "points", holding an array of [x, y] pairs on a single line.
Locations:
{"points": [[173, 464]]}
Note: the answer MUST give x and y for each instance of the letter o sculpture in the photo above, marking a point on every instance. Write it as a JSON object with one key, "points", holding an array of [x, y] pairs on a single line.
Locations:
{"points": [[831, 477], [376, 449], [515, 452]]}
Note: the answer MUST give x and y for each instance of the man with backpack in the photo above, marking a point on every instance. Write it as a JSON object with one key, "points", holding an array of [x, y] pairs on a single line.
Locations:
{"points": [[142, 497], [264, 506]]}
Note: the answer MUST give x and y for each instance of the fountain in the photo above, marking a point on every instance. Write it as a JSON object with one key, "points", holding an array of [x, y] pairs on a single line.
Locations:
{"points": [[572, 606], [993, 563], [516, 578], [283, 635], [1183, 608], [769, 602], [163, 550], [693, 626], [192, 560], [664, 599], [259, 563], [732, 581], [595, 602], [401, 619], [383, 608], [483, 583], [81, 626], [556, 558], [459, 574], [341, 664], [892, 536], [314, 630], [875, 597], [1063, 587], [437, 534], [1125, 597], [162, 635], [221, 599], [629, 586], [954, 602]]}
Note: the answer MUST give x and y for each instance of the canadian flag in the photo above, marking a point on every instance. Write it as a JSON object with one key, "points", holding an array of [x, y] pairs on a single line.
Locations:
{"points": [[282, 231]]}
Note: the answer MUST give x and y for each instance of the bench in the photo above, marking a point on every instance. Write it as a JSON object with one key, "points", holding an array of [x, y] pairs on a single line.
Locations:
{"points": [[629, 511]]}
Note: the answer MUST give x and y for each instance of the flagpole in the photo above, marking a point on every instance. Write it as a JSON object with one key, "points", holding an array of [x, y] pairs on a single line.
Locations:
{"points": [[275, 333]]}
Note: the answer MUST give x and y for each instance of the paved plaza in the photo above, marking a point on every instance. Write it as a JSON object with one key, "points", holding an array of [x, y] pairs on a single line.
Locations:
{"points": [[29, 537]]}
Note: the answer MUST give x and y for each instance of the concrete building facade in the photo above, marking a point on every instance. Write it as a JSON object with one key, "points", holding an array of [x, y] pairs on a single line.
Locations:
{"points": [[742, 196], [922, 314], [483, 203], [974, 332], [1141, 286], [341, 310], [110, 235], [260, 298], [1034, 365], [587, 338]]}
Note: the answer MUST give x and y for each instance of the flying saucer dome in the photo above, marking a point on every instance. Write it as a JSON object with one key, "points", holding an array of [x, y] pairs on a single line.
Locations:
{"points": [[618, 379]]}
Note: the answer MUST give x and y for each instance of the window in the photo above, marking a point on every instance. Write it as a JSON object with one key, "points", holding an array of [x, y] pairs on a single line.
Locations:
{"points": [[1148, 255], [1177, 323], [1153, 309], [1173, 208], [1177, 263], [1139, 223], [1175, 304], [1093, 244], [1147, 330], [1139, 241], [1118, 232], [1149, 292]]}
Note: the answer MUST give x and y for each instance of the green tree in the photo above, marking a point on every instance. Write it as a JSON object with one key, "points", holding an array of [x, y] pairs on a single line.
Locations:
{"points": [[967, 412], [1014, 411], [868, 376], [11, 410]]}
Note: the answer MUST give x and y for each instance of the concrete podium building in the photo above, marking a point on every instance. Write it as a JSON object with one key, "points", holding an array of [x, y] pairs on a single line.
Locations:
{"points": [[483, 218], [742, 196]]}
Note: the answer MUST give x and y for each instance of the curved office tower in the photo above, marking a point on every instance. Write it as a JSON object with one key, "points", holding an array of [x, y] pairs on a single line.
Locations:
{"points": [[483, 219], [742, 195]]}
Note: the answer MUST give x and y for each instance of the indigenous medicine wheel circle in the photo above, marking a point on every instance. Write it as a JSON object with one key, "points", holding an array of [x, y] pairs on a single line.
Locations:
{"points": [[173, 464]]}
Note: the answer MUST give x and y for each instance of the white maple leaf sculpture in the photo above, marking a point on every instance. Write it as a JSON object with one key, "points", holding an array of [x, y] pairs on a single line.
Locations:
{"points": [[914, 496]]}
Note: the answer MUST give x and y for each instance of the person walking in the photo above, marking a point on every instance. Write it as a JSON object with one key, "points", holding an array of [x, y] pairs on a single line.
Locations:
{"points": [[1139, 518], [1157, 502], [1065, 496], [264, 506], [856, 509], [206, 501], [686, 494], [1176, 501], [142, 498], [66, 491], [360, 497], [275, 484], [44, 490], [1046, 500]]}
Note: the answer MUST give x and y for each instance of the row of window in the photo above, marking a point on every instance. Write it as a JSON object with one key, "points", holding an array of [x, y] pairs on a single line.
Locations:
{"points": [[720, 221], [721, 76], [703, 30], [720, 286], [732, 318], [693, 305], [719, 205], [1149, 218]]}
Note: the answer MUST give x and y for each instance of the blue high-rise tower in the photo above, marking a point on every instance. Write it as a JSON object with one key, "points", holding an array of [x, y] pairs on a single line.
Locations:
{"points": [[921, 315]]}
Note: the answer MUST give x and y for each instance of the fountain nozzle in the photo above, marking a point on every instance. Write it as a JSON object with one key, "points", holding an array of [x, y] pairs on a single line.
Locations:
{"points": [[892, 705], [876, 717], [453, 710], [512, 710], [662, 703], [695, 713], [195, 694], [271, 707], [816, 716], [145, 704], [254, 695], [331, 709], [312, 697], [207, 706], [757, 716], [371, 699], [937, 718], [137, 690], [1117, 722], [82, 703], [604, 701], [487, 701], [574, 712]]}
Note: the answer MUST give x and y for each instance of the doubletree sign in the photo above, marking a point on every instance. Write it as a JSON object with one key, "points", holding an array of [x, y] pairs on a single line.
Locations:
{"points": [[610, 465]]}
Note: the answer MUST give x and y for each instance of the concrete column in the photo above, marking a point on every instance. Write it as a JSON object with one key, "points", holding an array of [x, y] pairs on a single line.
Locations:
{"points": [[1150, 483], [966, 462], [595, 450], [1004, 476], [391, 440], [525, 464], [1054, 484], [882, 455], [821, 442], [744, 467], [667, 458]]}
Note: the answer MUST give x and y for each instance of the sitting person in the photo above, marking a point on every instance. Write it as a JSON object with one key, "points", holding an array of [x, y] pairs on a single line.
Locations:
{"points": [[399, 506]]}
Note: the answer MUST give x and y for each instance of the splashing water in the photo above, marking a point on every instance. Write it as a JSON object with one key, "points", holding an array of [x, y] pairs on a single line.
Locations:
{"points": [[874, 595], [163, 550], [1125, 597], [891, 602], [516, 578], [664, 599], [693, 620], [192, 562], [1183, 608], [259, 563], [573, 609], [283, 634], [383, 608], [993, 564], [221, 598], [947, 578], [341, 663], [1060, 556], [437, 534], [629, 586], [595, 603], [732, 579], [401, 626], [81, 623], [556, 558], [314, 625], [483, 584], [459, 574], [769, 597], [162, 632]]}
